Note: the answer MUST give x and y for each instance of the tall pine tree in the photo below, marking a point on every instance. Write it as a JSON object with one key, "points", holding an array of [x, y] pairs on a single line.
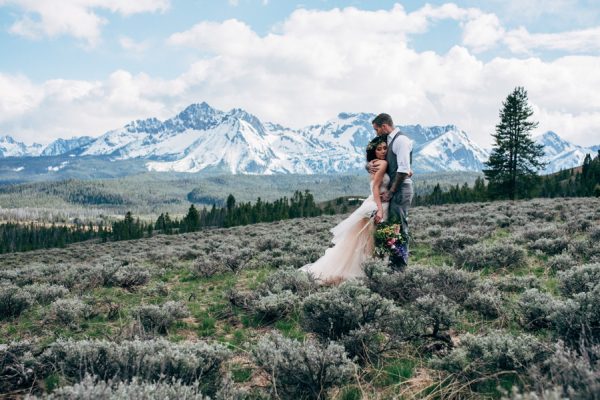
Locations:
{"points": [[516, 158]]}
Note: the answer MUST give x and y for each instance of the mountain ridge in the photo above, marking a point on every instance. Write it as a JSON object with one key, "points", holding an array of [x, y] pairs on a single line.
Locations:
{"points": [[203, 139]]}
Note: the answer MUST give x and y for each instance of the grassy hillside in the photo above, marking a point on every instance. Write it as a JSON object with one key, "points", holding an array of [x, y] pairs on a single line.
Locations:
{"points": [[490, 290]]}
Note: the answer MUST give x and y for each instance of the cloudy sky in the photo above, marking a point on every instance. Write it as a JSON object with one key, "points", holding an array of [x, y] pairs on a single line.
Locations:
{"points": [[83, 67]]}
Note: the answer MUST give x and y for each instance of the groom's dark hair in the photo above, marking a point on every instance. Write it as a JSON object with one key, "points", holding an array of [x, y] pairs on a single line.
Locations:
{"points": [[383, 118]]}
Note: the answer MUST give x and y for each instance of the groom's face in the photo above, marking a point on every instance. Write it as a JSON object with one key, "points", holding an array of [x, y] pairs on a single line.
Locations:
{"points": [[382, 129]]}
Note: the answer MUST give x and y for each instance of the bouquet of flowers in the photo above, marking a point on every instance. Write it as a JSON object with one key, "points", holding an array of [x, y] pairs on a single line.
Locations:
{"points": [[392, 241]]}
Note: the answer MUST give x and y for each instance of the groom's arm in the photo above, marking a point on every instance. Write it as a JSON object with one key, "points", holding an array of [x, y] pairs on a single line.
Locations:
{"points": [[400, 177], [402, 149]]}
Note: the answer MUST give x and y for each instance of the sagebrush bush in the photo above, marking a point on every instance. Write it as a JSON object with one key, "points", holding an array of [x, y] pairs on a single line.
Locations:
{"points": [[451, 242], [366, 343], [337, 311], [128, 277], [517, 284], [560, 262], [485, 300], [70, 312], [536, 309], [44, 293], [480, 356], [81, 276], [494, 256], [579, 318], [302, 370], [289, 279], [204, 266], [19, 368], [578, 224], [585, 250], [549, 246], [278, 296], [416, 281], [439, 313], [13, 301], [532, 233], [274, 306], [594, 233], [158, 318], [93, 388], [370, 342], [434, 231], [579, 279], [575, 372], [149, 360]]}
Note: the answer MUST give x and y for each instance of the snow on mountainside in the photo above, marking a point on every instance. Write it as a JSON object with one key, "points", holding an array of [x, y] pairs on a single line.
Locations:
{"points": [[9, 147], [65, 146], [201, 138], [560, 154], [235, 145], [452, 150]]}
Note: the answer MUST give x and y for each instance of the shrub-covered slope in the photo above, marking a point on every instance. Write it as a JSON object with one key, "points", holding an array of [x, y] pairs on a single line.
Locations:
{"points": [[501, 299]]}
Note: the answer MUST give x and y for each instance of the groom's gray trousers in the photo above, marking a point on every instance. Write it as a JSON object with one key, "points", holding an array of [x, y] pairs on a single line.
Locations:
{"points": [[400, 203]]}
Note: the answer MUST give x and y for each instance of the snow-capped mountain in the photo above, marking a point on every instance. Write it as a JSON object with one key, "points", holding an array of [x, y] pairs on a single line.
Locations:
{"points": [[201, 138], [451, 150], [74, 146], [561, 154], [9, 147]]}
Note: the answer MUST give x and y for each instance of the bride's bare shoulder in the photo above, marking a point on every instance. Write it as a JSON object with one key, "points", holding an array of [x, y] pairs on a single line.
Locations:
{"points": [[380, 162]]}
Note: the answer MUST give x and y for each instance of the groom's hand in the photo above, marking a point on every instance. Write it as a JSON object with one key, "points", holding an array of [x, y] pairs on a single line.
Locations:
{"points": [[386, 197], [372, 167]]}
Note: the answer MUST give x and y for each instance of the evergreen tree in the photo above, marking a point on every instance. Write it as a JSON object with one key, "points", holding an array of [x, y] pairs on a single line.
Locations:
{"points": [[515, 158], [192, 220]]}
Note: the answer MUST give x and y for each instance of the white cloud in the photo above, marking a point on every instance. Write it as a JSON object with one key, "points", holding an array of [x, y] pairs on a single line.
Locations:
{"points": [[531, 9], [17, 96], [482, 32], [316, 64], [133, 46], [585, 40], [77, 18]]}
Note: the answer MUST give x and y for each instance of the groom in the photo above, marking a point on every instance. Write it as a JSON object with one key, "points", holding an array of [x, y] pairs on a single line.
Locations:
{"points": [[399, 158]]}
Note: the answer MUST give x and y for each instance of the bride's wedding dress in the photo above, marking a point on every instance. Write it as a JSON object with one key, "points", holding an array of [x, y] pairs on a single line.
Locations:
{"points": [[353, 243]]}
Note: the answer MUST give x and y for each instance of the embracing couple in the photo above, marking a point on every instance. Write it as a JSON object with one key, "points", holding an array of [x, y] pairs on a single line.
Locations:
{"points": [[389, 164]]}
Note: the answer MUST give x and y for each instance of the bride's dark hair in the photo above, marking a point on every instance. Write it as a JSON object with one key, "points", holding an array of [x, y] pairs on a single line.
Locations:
{"points": [[372, 146]]}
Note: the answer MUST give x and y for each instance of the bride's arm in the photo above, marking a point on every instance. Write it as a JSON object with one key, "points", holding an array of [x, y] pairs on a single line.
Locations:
{"points": [[377, 178]]}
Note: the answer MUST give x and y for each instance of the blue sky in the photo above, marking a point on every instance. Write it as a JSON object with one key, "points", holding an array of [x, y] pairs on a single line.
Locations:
{"points": [[82, 67]]}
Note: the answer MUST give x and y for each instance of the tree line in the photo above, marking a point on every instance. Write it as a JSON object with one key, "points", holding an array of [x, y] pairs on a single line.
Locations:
{"points": [[582, 181], [24, 237]]}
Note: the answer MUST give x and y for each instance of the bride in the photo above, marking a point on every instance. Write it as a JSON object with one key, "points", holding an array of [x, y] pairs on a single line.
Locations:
{"points": [[353, 237]]}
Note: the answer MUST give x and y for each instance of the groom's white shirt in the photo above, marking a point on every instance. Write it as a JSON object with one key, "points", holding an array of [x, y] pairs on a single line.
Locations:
{"points": [[401, 148]]}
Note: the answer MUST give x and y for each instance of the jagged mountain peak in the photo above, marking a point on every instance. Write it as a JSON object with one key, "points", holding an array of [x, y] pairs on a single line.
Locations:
{"points": [[76, 145], [359, 116], [198, 116], [7, 139], [243, 115], [10, 147], [553, 143], [195, 109]]}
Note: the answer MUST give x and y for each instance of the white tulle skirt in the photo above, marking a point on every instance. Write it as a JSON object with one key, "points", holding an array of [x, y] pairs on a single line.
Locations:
{"points": [[353, 244]]}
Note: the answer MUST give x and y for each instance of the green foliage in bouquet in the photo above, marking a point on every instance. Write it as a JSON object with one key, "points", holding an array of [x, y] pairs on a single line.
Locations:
{"points": [[392, 241]]}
